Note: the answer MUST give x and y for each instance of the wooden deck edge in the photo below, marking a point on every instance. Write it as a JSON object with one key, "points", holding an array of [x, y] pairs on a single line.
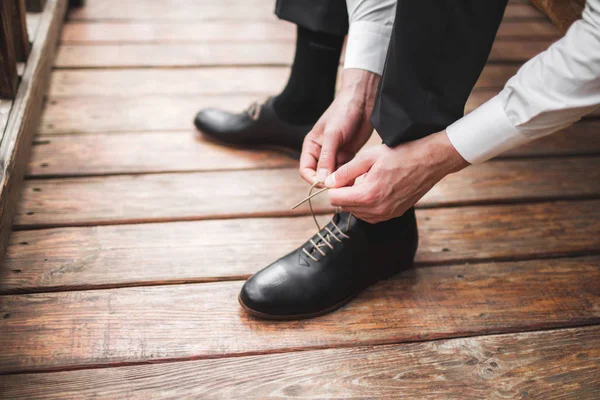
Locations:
{"points": [[26, 112]]}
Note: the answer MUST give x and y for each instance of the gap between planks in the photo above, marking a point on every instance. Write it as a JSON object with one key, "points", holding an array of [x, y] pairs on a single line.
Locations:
{"points": [[204, 251], [475, 367], [417, 305]]}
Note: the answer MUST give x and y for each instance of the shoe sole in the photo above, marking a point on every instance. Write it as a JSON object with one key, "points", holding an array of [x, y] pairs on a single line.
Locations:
{"points": [[315, 314], [288, 151], [296, 316]]}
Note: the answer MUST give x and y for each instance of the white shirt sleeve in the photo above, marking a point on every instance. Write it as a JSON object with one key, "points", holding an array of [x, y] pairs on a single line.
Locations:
{"points": [[371, 23], [550, 92]]}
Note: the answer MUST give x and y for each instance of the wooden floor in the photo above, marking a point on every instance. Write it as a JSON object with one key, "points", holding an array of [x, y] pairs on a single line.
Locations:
{"points": [[134, 235]]}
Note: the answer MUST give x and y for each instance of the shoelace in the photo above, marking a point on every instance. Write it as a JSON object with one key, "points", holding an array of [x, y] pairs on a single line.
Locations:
{"points": [[254, 109], [329, 235]]}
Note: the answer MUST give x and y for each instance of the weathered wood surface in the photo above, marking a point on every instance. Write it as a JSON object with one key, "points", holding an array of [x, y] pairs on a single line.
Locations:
{"points": [[562, 12], [194, 81], [25, 114], [237, 194], [118, 153], [232, 53], [8, 56], [150, 254], [155, 112], [136, 152], [522, 365], [52, 331], [75, 33], [21, 35], [196, 11]]}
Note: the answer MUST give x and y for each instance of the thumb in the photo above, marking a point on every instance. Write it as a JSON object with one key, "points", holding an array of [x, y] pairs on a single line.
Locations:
{"points": [[329, 149], [347, 173]]}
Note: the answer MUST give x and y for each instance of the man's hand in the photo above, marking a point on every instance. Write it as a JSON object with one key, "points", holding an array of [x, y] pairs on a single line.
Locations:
{"points": [[394, 179], [343, 129]]}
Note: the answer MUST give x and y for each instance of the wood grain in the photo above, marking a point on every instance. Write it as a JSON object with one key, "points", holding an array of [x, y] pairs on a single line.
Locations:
{"points": [[8, 55], [154, 112], [25, 114], [21, 35], [236, 194], [143, 152], [148, 324], [72, 155], [522, 365], [195, 11], [77, 33], [231, 53], [178, 252], [194, 81], [562, 12]]}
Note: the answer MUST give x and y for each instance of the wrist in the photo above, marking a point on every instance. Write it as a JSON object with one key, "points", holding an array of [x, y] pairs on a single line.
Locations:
{"points": [[362, 86], [442, 155]]}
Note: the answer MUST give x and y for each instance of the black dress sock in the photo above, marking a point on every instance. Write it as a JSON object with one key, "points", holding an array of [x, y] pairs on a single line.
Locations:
{"points": [[311, 85]]}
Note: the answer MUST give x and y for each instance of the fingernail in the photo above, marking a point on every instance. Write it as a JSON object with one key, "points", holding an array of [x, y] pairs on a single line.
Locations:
{"points": [[330, 181], [322, 174]]}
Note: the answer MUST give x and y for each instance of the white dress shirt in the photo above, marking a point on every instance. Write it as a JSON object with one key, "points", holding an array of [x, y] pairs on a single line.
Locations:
{"points": [[371, 23], [550, 92]]}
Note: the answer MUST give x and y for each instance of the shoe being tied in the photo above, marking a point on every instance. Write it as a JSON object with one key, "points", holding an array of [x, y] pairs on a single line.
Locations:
{"points": [[257, 127], [330, 269]]}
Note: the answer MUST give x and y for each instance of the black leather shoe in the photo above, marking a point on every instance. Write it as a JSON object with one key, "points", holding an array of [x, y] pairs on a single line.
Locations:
{"points": [[257, 127], [330, 269]]}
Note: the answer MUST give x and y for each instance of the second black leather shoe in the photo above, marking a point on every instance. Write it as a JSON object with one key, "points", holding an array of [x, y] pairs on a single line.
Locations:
{"points": [[257, 127], [330, 269]]}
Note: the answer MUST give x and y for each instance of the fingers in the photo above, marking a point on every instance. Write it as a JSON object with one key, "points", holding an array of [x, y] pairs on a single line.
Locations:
{"points": [[347, 173], [327, 158], [308, 160], [358, 195]]}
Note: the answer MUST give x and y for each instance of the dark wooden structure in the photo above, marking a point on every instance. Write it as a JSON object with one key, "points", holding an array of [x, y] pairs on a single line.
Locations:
{"points": [[133, 236]]}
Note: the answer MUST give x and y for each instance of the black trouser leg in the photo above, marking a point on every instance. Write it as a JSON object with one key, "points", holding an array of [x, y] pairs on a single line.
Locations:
{"points": [[310, 89], [437, 52], [327, 16]]}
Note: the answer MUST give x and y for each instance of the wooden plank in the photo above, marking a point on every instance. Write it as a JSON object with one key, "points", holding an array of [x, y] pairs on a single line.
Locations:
{"points": [[580, 138], [517, 50], [224, 80], [21, 35], [201, 251], [510, 29], [231, 53], [102, 154], [143, 82], [54, 331], [236, 194], [146, 113], [562, 13], [153, 112], [8, 58], [191, 10], [238, 31], [558, 364], [25, 114], [156, 112], [186, 10], [72, 155]]}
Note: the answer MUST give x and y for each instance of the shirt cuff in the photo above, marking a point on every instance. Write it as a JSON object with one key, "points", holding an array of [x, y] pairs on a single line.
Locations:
{"points": [[367, 46], [485, 133]]}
